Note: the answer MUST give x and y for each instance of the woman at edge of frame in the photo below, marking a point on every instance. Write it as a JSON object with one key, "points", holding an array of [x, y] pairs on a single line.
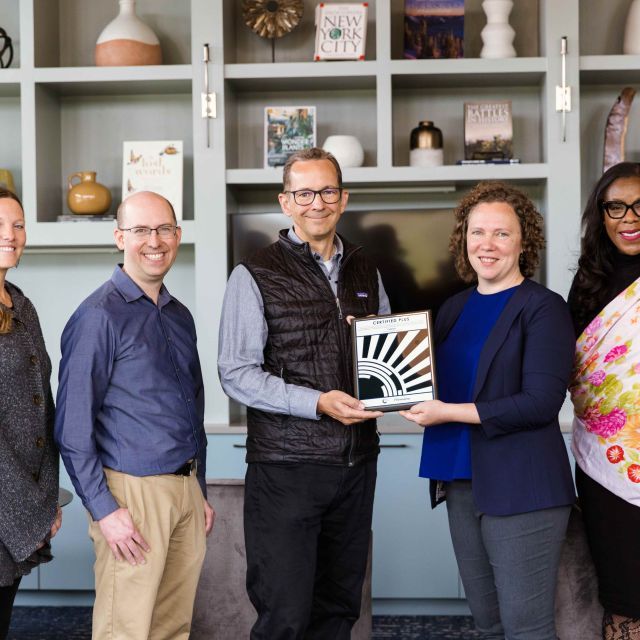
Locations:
{"points": [[29, 511], [492, 443], [605, 305]]}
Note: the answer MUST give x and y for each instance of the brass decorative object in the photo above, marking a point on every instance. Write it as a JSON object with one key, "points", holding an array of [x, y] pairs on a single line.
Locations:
{"points": [[272, 18]]}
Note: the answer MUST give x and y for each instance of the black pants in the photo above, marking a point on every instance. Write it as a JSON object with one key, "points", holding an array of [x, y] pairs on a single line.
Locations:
{"points": [[7, 596], [307, 530], [612, 526]]}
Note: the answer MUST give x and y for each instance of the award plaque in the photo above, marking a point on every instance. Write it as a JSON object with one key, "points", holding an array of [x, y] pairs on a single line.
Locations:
{"points": [[393, 360]]}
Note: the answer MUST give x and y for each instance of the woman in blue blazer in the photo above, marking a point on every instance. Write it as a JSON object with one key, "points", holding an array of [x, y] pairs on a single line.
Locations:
{"points": [[492, 447]]}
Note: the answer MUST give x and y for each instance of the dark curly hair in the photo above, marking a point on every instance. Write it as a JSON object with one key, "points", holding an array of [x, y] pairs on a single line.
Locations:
{"points": [[531, 226], [595, 266]]}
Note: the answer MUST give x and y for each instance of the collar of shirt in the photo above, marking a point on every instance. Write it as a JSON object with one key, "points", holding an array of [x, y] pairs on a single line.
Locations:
{"points": [[337, 244], [131, 291]]}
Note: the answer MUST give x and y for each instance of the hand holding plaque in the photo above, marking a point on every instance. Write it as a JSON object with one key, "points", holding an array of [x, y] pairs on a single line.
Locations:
{"points": [[393, 360]]}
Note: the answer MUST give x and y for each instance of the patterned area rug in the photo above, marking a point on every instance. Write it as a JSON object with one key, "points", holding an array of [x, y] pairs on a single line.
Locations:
{"points": [[74, 623]]}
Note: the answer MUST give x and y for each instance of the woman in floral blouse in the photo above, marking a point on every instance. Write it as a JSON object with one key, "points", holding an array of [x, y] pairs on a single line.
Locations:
{"points": [[605, 305]]}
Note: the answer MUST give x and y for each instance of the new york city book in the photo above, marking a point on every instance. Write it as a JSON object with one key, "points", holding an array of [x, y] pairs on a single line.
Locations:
{"points": [[393, 363], [341, 31]]}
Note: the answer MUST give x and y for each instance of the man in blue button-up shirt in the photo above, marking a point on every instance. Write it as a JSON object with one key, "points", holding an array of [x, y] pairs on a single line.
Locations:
{"points": [[130, 430]]}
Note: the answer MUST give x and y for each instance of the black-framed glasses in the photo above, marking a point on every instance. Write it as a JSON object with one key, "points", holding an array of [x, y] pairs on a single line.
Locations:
{"points": [[164, 230], [617, 209], [6, 49], [328, 195]]}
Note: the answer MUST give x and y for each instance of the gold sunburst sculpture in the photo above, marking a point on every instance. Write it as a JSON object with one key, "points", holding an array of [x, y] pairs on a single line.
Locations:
{"points": [[272, 18]]}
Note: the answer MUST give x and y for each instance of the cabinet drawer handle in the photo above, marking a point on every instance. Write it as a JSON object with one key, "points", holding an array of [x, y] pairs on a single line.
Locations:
{"points": [[394, 446], [239, 446]]}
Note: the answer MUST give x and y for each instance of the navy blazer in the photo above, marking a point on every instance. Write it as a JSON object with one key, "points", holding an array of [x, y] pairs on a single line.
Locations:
{"points": [[518, 458]]}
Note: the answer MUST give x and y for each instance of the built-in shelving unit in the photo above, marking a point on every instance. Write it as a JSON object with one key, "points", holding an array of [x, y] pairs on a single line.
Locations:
{"points": [[60, 114]]}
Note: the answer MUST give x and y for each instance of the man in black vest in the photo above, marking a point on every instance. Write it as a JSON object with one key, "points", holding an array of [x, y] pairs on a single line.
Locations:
{"points": [[285, 352]]}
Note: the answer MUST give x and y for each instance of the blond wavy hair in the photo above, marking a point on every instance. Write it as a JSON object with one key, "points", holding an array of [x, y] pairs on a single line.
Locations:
{"points": [[6, 317]]}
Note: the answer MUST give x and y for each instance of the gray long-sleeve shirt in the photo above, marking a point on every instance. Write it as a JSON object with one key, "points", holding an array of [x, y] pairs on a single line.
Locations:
{"points": [[243, 337]]}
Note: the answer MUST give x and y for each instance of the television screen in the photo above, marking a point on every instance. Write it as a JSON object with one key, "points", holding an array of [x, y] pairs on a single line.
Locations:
{"points": [[409, 247]]}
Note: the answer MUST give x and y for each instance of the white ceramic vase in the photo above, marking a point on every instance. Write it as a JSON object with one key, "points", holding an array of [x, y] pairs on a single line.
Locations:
{"points": [[127, 40], [498, 34], [632, 29], [347, 150]]}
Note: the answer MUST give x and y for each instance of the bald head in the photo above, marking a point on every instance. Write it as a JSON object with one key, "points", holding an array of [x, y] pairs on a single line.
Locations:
{"points": [[142, 200]]}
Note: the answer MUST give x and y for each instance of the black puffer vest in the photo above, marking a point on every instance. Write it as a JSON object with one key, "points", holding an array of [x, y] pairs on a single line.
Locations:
{"points": [[309, 344]]}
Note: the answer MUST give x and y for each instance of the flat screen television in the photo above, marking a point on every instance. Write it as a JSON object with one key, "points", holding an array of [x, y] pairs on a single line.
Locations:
{"points": [[409, 247]]}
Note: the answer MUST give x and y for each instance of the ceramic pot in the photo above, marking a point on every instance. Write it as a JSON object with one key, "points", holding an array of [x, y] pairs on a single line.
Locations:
{"points": [[426, 145], [6, 180], [347, 150], [87, 196], [632, 29], [498, 34], [127, 40]]}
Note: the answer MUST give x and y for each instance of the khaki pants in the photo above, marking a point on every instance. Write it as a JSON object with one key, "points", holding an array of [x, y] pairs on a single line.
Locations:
{"points": [[153, 601]]}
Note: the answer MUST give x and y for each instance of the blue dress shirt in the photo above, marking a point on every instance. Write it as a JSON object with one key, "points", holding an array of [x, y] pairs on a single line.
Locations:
{"points": [[130, 393], [446, 448]]}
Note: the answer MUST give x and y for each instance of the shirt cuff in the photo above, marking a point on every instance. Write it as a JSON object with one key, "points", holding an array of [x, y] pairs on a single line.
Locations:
{"points": [[102, 506], [303, 403]]}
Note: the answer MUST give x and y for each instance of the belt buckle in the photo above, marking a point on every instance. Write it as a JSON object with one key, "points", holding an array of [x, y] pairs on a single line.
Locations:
{"points": [[193, 470]]}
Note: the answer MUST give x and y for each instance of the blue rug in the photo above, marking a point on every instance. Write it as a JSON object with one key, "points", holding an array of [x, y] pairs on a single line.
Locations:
{"points": [[74, 623]]}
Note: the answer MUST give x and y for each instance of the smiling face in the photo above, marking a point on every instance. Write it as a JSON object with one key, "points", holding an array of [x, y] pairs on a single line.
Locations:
{"points": [[317, 221], [494, 244], [147, 258], [625, 232], [12, 233]]}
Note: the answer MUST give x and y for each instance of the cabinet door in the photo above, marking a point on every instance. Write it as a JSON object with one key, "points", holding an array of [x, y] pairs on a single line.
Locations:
{"points": [[225, 456], [412, 552], [72, 566]]}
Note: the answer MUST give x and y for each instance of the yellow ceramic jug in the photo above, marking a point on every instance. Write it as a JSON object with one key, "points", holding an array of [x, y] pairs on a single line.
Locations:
{"points": [[87, 195]]}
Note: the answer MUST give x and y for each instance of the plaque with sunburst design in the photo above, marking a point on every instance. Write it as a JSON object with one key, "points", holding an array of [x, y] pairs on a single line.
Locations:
{"points": [[393, 360]]}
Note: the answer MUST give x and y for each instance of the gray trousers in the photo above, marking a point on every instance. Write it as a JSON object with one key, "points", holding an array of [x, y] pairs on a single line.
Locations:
{"points": [[508, 565]]}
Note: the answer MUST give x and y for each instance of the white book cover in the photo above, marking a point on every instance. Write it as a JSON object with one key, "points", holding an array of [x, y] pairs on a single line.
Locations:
{"points": [[341, 31], [154, 165]]}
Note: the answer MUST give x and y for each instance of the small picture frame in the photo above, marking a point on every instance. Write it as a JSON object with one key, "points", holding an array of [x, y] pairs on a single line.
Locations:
{"points": [[287, 129], [393, 365]]}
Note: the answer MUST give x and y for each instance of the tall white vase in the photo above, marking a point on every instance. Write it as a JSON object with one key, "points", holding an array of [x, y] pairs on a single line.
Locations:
{"points": [[632, 29], [127, 40], [498, 34]]}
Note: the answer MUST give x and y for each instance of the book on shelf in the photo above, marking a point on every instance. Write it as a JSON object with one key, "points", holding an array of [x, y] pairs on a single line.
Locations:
{"points": [[491, 161], [287, 129], [433, 29], [84, 217], [488, 130], [154, 165], [341, 31]]}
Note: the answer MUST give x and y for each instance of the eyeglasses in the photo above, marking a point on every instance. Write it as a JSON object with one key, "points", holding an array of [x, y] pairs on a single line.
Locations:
{"points": [[305, 197], [617, 209], [164, 230], [6, 49]]}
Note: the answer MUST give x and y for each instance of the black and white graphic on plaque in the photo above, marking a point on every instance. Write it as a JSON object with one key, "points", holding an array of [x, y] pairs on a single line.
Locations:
{"points": [[393, 363]]}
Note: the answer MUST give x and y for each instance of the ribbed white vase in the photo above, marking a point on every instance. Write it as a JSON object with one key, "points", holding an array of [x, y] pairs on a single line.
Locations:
{"points": [[127, 40], [498, 34], [632, 29]]}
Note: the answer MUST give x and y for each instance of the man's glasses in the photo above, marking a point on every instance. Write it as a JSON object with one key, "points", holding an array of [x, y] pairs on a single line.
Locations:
{"points": [[305, 197], [617, 209], [6, 49], [164, 230]]}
